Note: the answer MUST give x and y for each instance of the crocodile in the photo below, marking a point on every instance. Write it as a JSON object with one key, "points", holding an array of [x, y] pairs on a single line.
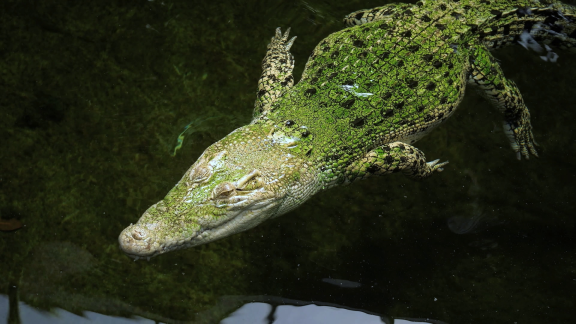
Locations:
{"points": [[367, 93]]}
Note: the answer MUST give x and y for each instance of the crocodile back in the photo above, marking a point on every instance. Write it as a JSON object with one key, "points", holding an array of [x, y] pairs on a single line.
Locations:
{"points": [[395, 78]]}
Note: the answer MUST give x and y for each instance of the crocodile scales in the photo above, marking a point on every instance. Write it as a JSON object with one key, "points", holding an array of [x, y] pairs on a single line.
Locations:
{"points": [[368, 92]]}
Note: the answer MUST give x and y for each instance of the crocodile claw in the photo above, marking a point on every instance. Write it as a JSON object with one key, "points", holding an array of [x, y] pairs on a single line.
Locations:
{"points": [[435, 166]]}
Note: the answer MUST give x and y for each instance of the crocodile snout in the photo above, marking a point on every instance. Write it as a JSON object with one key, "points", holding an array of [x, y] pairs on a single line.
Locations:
{"points": [[136, 241]]}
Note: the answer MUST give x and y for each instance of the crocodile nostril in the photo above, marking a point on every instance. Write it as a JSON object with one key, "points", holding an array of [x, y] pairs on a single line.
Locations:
{"points": [[138, 235]]}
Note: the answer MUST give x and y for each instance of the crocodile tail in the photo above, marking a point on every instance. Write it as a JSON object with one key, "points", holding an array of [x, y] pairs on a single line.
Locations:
{"points": [[527, 23]]}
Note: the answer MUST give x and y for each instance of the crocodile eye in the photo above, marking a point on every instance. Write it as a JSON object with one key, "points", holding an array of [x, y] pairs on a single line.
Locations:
{"points": [[224, 190], [253, 184], [201, 173]]}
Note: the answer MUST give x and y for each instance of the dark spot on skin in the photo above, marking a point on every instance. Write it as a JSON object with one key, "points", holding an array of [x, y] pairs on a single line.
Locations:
{"points": [[413, 48], [309, 152], [499, 86], [314, 80], [431, 86], [358, 122], [506, 30], [442, 7], [429, 118], [310, 92], [427, 57], [359, 15], [473, 27], [437, 64], [349, 82], [400, 63], [401, 146], [334, 54], [412, 84], [528, 25], [450, 66], [283, 61], [440, 26], [358, 43], [443, 100], [332, 75], [399, 105], [289, 123], [387, 96], [440, 115], [365, 29], [363, 54], [446, 74], [261, 93], [388, 113], [494, 31], [348, 103], [407, 34], [497, 14], [383, 26], [373, 169], [326, 48], [456, 15], [403, 159], [384, 56], [426, 19], [420, 108], [389, 159]]}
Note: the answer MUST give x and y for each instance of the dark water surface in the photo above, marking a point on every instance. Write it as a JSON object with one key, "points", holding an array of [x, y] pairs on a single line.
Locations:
{"points": [[93, 97]]}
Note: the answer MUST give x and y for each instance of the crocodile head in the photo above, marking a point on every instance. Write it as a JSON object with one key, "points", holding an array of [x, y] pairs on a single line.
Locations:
{"points": [[237, 183]]}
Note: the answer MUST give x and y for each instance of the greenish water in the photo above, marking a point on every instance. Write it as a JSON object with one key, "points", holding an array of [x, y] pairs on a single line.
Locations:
{"points": [[94, 96]]}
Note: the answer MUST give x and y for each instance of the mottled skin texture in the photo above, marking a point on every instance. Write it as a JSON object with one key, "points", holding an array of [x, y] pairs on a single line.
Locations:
{"points": [[367, 93]]}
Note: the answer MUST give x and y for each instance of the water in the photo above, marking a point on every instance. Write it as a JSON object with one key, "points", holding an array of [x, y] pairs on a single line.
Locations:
{"points": [[94, 97]]}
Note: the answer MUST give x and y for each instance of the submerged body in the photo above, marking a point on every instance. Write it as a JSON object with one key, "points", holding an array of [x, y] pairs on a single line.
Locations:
{"points": [[367, 93]]}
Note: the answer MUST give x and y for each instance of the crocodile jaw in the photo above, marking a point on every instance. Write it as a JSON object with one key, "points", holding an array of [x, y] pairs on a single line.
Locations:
{"points": [[147, 239]]}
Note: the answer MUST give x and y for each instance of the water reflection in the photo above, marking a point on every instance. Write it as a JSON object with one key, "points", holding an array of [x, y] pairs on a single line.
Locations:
{"points": [[269, 313], [263, 310], [31, 315]]}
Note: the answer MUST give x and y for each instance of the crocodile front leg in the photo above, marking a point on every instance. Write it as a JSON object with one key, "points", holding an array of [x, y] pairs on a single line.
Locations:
{"points": [[391, 158], [277, 75], [505, 96]]}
